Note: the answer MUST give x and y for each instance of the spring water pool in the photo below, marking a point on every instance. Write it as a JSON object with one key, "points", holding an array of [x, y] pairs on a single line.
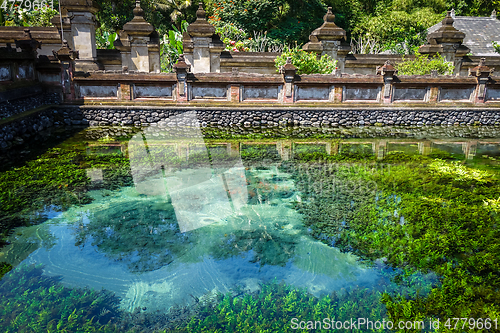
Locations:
{"points": [[188, 229]]}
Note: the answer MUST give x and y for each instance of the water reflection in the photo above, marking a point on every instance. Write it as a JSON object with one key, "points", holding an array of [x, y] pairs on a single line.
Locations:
{"points": [[201, 195]]}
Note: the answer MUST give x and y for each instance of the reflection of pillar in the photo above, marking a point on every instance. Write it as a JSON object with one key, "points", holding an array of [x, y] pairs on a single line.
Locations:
{"points": [[424, 148], [284, 149], [469, 149], [334, 148], [328, 148], [233, 149], [380, 149], [183, 150], [95, 175]]}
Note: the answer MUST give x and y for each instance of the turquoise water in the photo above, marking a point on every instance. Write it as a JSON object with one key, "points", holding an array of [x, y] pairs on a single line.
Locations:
{"points": [[186, 233], [163, 219]]}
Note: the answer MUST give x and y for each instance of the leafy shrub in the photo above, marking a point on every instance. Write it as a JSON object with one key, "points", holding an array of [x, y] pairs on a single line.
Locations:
{"points": [[171, 47], [496, 46], [105, 39], [307, 63], [20, 16], [398, 31], [251, 15], [286, 20], [422, 65]]}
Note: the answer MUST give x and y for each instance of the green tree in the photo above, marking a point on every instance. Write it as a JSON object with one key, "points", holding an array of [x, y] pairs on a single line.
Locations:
{"points": [[175, 7], [422, 65], [399, 31]]}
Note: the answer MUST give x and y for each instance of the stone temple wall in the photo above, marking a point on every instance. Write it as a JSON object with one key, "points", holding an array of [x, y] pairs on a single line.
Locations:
{"points": [[17, 131]]}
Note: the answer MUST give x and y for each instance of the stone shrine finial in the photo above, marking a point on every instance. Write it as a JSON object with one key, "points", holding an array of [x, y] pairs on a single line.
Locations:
{"points": [[329, 30], [28, 43], [200, 27], [329, 16], [138, 26], [200, 13], [27, 33], [138, 11], [449, 19], [481, 70], [447, 33], [314, 45], [386, 70], [181, 65], [65, 53], [494, 14]]}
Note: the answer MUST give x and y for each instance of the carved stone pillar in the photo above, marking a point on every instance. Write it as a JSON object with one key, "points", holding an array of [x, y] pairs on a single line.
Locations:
{"points": [[79, 23], [139, 39], [332, 39], [447, 41], [181, 69], [288, 71], [483, 75], [67, 57], [202, 46], [387, 71]]}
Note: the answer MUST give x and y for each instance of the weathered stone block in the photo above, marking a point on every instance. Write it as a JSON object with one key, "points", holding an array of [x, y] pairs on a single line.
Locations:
{"points": [[5, 74], [98, 91], [493, 94], [454, 94], [152, 91], [209, 91], [313, 93], [351, 93], [261, 92], [410, 94]]}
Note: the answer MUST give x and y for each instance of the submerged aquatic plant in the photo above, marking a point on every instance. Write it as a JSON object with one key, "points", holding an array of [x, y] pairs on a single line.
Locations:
{"points": [[57, 179], [459, 172], [33, 302], [4, 268], [273, 308], [425, 215], [144, 235]]}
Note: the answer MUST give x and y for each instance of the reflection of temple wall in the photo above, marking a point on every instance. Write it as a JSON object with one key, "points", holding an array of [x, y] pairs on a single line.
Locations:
{"points": [[286, 149], [207, 188]]}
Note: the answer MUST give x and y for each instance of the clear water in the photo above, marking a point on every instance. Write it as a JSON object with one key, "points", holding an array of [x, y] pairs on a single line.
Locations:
{"points": [[201, 219]]}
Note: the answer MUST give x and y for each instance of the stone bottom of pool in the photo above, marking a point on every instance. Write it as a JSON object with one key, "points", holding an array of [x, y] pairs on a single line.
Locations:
{"points": [[192, 229]]}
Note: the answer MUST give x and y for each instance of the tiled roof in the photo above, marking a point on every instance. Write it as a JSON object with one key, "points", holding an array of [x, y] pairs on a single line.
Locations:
{"points": [[479, 33]]}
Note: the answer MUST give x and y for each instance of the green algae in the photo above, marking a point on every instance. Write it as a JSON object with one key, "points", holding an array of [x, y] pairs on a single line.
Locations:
{"points": [[4, 268], [33, 302], [422, 214]]}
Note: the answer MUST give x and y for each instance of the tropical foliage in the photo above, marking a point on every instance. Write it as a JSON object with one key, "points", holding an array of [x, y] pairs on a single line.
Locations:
{"points": [[171, 47], [422, 64], [307, 62], [28, 17]]}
